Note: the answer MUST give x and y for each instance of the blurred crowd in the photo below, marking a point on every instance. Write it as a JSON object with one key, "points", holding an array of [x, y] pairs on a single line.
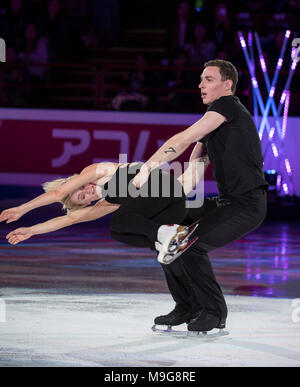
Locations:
{"points": [[51, 31], [39, 32], [198, 31]]}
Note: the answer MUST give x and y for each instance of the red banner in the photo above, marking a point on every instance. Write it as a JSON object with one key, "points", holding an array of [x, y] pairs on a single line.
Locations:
{"points": [[63, 147]]}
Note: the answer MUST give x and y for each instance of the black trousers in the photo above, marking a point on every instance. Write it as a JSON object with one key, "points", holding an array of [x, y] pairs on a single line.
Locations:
{"points": [[190, 278]]}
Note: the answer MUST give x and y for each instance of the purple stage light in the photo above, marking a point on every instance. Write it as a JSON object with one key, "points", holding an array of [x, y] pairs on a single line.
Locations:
{"points": [[271, 134], [283, 95], [262, 64], [294, 58], [243, 43], [253, 79], [250, 38], [274, 149], [270, 101], [288, 167], [285, 114], [254, 82], [272, 92], [279, 63], [278, 182], [284, 101]]}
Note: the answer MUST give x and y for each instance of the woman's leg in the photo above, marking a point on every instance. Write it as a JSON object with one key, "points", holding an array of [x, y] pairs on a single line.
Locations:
{"points": [[137, 221], [131, 239]]}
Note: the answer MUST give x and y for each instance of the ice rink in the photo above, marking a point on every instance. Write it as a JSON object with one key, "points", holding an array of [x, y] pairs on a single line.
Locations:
{"points": [[78, 298], [44, 328]]}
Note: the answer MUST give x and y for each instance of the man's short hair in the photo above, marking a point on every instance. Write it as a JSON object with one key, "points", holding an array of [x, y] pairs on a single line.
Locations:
{"points": [[227, 71]]}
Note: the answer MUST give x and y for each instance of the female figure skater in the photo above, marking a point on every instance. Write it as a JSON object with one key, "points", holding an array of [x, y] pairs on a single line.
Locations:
{"points": [[140, 216]]}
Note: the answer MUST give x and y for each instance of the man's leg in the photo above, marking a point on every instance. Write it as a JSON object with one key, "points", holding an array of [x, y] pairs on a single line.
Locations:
{"points": [[207, 291], [193, 285], [220, 223], [182, 292], [181, 285], [229, 221]]}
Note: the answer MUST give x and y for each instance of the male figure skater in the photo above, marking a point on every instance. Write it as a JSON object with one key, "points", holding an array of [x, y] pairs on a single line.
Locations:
{"points": [[233, 146]]}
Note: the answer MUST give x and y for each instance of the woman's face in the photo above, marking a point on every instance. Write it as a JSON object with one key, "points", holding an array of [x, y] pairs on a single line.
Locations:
{"points": [[85, 195]]}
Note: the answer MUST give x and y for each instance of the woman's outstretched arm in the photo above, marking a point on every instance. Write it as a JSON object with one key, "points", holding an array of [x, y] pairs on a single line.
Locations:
{"points": [[87, 175], [15, 213], [86, 214]]}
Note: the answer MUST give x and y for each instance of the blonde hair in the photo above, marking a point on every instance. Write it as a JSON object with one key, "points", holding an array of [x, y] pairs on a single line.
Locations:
{"points": [[53, 185]]}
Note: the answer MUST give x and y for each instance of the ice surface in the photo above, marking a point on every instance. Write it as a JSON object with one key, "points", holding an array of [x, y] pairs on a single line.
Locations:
{"points": [[49, 329]]}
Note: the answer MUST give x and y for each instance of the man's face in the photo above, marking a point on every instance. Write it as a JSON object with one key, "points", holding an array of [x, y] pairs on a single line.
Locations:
{"points": [[211, 85]]}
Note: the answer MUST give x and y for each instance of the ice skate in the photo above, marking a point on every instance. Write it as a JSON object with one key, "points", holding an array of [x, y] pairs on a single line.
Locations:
{"points": [[173, 241], [206, 324], [167, 259], [179, 315]]}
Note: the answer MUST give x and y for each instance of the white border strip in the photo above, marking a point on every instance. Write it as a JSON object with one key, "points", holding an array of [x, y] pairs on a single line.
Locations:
{"points": [[103, 116], [98, 116]]}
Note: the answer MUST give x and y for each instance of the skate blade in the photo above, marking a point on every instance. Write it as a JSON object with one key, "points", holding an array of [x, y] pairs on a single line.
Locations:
{"points": [[168, 330], [208, 335], [182, 243], [167, 259], [185, 241], [177, 240], [191, 230]]}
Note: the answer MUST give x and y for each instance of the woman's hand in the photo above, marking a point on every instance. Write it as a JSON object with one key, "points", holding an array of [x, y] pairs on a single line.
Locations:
{"points": [[11, 214], [141, 178], [19, 235]]}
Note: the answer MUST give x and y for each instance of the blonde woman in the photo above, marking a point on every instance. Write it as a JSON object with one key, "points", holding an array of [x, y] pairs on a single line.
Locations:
{"points": [[138, 214]]}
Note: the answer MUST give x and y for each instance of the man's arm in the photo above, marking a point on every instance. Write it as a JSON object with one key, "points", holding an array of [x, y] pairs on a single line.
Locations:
{"points": [[177, 144], [87, 214], [196, 169]]}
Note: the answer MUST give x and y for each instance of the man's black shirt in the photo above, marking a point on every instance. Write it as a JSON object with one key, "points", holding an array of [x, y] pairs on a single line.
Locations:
{"points": [[234, 149]]}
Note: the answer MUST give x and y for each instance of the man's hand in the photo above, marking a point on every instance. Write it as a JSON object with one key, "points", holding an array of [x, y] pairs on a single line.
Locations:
{"points": [[19, 235], [11, 214], [141, 178]]}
